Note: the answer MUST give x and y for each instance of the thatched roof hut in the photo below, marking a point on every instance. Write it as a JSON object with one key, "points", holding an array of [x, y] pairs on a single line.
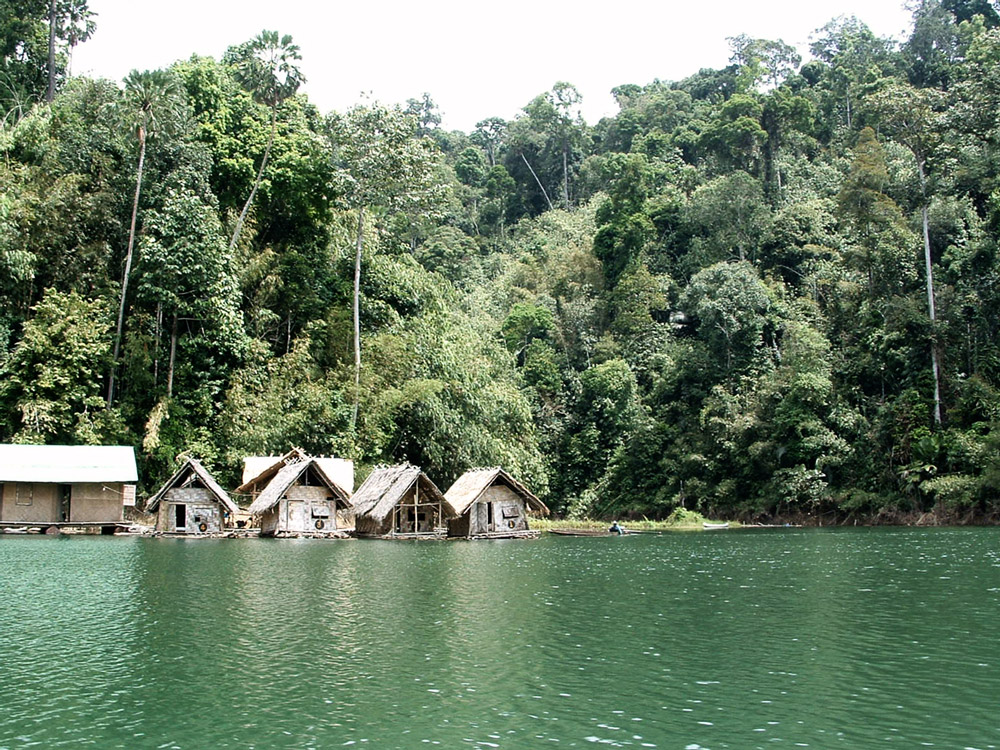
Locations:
{"points": [[400, 501], [192, 502], [259, 470], [491, 503], [297, 497], [287, 476]]}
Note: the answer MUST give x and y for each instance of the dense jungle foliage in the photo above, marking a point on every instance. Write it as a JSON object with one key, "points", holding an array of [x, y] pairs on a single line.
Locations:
{"points": [[764, 292]]}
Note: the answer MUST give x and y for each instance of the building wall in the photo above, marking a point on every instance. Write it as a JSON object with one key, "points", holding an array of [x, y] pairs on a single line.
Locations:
{"points": [[509, 512], [461, 526], [366, 526], [270, 519], [200, 507], [30, 503], [307, 494], [41, 502], [299, 511], [345, 520], [96, 503]]}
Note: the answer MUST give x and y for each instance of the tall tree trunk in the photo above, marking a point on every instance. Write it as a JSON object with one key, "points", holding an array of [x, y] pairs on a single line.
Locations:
{"points": [[50, 93], [357, 319], [935, 364], [156, 344], [128, 265], [540, 185], [173, 357], [256, 183], [565, 158]]}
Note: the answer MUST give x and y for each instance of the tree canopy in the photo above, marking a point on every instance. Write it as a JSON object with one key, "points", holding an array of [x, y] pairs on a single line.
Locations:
{"points": [[769, 291]]}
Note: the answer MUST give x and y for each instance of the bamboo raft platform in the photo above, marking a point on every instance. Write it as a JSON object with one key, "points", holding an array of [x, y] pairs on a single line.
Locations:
{"points": [[337, 534], [526, 534], [56, 528]]}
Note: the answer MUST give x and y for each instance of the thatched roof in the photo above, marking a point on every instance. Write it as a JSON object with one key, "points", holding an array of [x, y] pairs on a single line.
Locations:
{"points": [[472, 484], [386, 486], [67, 464], [259, 470], [183, 477], [287, 476]]}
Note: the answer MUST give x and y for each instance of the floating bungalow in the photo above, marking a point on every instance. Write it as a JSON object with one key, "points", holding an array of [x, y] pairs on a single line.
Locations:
{"points": [[191, 502], [60, 486], [491, 504], [340, 470], [401, 502], [296, 496]]}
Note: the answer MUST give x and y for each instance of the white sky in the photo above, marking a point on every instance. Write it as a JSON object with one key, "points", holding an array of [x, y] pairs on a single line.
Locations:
{"points": [[476, 59]]}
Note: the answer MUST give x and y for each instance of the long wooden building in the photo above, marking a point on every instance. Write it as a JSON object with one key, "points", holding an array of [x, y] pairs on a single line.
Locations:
{"points": [[491, 504], [401, 502], [83, 486]]}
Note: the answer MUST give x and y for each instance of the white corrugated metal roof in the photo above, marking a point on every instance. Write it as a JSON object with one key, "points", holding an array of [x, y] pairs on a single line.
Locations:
{"points": [[67, 464], [340, 470]]}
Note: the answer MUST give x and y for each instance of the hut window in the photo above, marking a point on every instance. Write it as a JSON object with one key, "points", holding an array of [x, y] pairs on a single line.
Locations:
{"points": [[489, 513], [320, 511], [511, 511], [180, 511], [24, 494]]}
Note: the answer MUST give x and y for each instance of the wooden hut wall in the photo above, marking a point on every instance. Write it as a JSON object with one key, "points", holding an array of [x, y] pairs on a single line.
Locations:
{"points": [[29, 502], [345, 519], [200, 507], [300, 516], [270, 519], [306, 507], [90, 503], [43, 502], [499, 509], [367, 526], [309, 509], [462, 526]]}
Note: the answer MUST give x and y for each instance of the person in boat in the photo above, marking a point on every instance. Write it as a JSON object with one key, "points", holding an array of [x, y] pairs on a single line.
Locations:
{"points": [[616, 529]]}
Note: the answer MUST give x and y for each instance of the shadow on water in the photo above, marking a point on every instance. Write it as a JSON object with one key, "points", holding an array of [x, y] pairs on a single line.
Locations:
{"points": [[741, 639]]}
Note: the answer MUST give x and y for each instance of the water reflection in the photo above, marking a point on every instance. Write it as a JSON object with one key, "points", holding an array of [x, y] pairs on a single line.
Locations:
{"points": [[856, 638]]}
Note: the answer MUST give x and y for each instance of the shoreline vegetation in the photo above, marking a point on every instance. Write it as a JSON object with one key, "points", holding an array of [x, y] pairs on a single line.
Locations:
{"points": [[682, 519], [679, 520], [769, 292]]}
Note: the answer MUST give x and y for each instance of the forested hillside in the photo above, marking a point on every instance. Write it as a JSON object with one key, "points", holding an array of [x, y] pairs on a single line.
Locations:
{"points": [[769, 291]]}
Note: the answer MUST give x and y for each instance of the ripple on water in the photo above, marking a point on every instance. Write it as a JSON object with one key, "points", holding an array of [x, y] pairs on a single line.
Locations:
{"points": [[805, 637]]}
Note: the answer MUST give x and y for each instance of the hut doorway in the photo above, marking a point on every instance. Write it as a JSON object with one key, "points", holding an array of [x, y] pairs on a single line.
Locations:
{"points": [[180, 517], [65, 493], [406, 520]]}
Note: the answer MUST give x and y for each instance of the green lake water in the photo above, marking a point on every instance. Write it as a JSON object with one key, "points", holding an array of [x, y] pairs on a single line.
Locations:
{"points": [[854, 638]]}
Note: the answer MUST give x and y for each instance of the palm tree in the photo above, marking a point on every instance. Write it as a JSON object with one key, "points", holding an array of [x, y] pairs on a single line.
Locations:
{"points": [[72, 22], [266, 67], [153, 101]]}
